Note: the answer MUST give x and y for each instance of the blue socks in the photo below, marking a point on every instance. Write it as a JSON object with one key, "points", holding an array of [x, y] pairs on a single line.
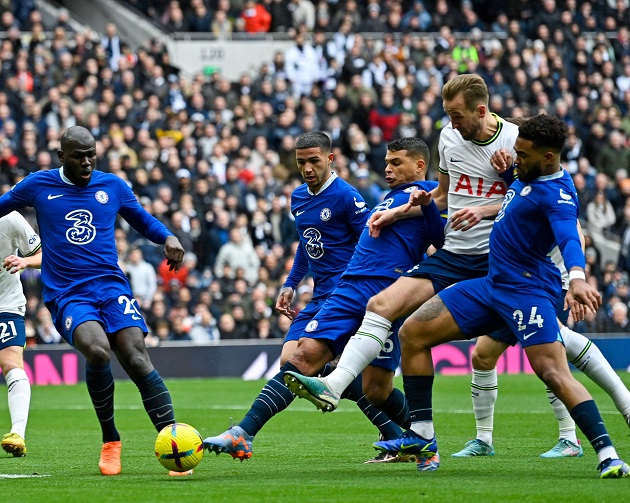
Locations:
{"points": [[100, 385], [273, 398], [156, 400]]}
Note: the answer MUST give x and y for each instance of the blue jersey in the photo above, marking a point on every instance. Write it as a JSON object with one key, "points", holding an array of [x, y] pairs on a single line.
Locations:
{"points": [[76, 225], [400, 246], [329, 224], [535, 216]]}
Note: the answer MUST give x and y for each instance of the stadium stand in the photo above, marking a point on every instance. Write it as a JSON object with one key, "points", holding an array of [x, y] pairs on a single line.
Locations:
{"points": [[210, 155]]}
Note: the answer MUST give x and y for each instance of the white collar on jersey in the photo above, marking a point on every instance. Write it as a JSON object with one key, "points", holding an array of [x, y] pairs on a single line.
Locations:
{"points": [[333, 175], [63, 177], [559, 174]]}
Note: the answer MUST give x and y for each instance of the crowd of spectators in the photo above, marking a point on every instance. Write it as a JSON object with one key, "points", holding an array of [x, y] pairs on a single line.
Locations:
{"points": [[213, 159]]}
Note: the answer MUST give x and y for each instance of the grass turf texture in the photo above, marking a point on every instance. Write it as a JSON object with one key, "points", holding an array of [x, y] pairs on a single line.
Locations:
{"points": [[304, 456]]}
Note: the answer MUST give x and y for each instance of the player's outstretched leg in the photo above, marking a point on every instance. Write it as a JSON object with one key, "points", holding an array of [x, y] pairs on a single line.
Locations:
{"points": [[273, 398], [587, 357], [156, 399], [313, 389], [236, 442]]}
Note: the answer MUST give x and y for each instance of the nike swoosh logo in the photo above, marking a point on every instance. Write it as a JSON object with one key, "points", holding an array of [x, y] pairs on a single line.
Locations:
{"points": [[50, 196], [160, 416], [527, 336], [5, 339], [298, 213], [455, 160], [404, 447]]}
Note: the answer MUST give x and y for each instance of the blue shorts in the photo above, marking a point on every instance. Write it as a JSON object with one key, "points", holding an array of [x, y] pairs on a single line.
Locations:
{"points": [[505, 335], [479, 307], [342, 314], [12, 331], [108, 301], [445, 268]]}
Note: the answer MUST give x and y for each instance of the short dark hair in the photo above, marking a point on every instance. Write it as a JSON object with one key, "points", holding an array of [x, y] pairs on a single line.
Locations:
{"points": [[415, 147], [546, 131], [312, 140]]}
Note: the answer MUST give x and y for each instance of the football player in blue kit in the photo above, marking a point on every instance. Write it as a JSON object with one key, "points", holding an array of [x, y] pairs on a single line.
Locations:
{"points": [[85, 290], [375, 264], [472, 191], [520, 291]]}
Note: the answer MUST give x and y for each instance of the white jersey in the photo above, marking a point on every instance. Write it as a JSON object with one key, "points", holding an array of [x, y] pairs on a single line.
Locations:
{"points": [[473, 182], [16, 235], [556, 258]]}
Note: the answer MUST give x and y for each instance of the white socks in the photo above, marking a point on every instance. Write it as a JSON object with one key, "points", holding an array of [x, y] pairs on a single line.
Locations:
{"points": [[361, 349], [587, 357], [566, 425], [19, 399], [484, 396]]}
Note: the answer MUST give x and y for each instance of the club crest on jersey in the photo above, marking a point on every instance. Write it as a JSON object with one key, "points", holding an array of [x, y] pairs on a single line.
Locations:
{"points": [[526, 190], [312, 326], [325, 214], [410, 189], [101, 196], [68, 323]]}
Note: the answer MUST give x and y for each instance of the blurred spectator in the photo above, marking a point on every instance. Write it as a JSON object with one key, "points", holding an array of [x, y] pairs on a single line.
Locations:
{"points": [[237, 253], [142, 277], [600, 214], [617, 320], [254, 18]]}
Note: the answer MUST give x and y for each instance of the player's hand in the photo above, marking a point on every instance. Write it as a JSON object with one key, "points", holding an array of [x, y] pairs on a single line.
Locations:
{"points": [[583, 293], [283, 302], [174, 253], [14, 264], [465, 219], [577, 310], [380, 219], [418, 198], [501, 160]]}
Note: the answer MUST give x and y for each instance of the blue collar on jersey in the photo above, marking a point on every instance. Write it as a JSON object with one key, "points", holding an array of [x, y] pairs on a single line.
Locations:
{"points": [[333, 175]]}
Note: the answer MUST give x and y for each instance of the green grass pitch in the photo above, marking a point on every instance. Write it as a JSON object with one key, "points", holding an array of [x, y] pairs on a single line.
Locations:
{"points": [[302, 455]]}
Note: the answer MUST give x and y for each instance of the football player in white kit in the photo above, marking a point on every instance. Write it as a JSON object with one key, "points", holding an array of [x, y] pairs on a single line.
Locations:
{"points": [[16, 235]]}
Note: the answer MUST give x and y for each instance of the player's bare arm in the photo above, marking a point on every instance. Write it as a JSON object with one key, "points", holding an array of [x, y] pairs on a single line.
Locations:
{"points": [[283, 302], [174, 253], [14, 264]]}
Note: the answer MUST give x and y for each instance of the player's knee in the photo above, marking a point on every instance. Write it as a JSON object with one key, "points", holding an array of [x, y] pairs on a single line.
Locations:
{"points": [[482, 361], [97, 355], [304, 363], [409, 341], [377, 392], [139, 363], [378, 304]]}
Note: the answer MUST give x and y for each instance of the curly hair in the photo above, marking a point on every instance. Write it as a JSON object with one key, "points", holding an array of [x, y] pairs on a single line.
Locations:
{"points": [[546, 131]]}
